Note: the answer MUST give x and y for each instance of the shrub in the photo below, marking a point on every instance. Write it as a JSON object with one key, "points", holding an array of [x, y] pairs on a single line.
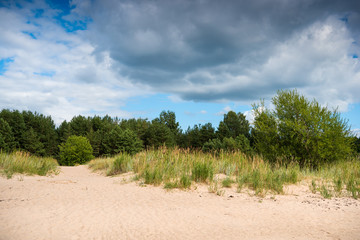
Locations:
{"points": [[300, 130], [76, 150]]}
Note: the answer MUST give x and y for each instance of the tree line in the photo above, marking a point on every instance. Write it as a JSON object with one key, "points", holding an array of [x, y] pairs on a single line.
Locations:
{"points": [[296, 130]]}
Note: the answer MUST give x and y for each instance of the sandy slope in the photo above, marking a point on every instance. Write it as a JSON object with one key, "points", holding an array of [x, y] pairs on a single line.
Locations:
{"points": [[78, 204]]}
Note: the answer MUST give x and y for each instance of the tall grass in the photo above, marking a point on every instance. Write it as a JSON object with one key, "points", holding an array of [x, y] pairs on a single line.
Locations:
{"points": [[336, 179], [22, 162], [180, 168]]}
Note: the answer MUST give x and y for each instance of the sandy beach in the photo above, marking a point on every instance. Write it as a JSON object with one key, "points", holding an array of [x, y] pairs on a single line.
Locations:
{"points": [[79, 204]]}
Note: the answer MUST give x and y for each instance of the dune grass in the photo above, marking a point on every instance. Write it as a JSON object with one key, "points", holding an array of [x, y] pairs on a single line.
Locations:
{"points": [[337, 179], [180, 168], [24, 163]]}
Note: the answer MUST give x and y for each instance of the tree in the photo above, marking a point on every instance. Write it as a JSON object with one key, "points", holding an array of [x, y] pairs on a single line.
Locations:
{"points": [[76, 150], [159, 134], [138, 126], [16, 122], [206, 133], [44, 129], [233, 125], [357, 144], [119, 140], [80, 126], [32, 143], [7, 140], [169, 119], [64, 131], [300, 130]]}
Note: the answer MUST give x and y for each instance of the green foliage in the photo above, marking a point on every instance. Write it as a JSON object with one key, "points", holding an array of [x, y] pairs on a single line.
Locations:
{"points": [[214, 145], [138, 126], [32, 143], [240, 143], [7, 140], [40, 137], [356, 144], [16, 122], [80, 126], [121, 141], [76, 150], [233, 125], [300, 130], [158, 134], [169, 119]]}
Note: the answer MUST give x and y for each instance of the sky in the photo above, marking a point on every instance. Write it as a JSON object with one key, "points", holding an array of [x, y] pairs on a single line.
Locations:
{"points": [[197, 58]]}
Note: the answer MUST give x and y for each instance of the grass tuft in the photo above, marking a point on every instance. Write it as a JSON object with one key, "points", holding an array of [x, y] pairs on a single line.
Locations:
{"points": [[22, 162]]}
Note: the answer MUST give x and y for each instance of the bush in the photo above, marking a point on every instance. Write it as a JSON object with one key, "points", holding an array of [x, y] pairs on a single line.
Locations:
{"points": [[300, 130], [76, 150]]}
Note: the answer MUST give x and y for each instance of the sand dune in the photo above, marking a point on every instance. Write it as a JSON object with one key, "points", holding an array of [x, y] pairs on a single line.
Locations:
{"points": [[78, 204]]}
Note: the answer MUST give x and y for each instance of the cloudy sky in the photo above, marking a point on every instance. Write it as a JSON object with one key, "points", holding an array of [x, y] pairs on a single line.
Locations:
{"points": [[198, 58]]}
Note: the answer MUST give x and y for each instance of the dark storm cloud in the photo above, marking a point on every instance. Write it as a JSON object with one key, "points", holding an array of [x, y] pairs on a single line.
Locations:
{"points": [[194, 48]]}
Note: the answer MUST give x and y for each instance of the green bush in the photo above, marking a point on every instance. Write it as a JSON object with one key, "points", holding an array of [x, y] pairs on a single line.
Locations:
{"points": [[302, 131], [76, 150]]}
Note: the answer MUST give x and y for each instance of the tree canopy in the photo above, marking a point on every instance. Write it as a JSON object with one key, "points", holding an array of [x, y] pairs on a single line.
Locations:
{"points": [[296, 129]]}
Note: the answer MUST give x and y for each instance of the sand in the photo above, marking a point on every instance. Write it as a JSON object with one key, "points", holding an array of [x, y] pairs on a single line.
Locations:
{"points": [[79, 204]]}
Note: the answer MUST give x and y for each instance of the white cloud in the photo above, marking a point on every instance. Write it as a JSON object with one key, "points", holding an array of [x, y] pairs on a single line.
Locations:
{"points": [[197, 54], [225, 110], [356, 132], [189, 50], [57, 73]]}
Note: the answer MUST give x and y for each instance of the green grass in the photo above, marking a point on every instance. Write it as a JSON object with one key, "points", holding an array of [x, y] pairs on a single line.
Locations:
{"points": [[227, 182], [24, 163], [178, 168]]}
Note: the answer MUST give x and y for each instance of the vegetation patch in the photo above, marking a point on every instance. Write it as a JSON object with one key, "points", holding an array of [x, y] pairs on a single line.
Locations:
{"points": [[21, 162]]}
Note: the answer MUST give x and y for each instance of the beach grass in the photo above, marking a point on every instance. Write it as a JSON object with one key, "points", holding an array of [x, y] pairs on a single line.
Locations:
{"points": [[24, 163], [180, 168]]}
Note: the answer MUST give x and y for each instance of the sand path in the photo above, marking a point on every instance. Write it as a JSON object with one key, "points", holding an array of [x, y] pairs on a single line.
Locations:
{"points": [[79, 204]]}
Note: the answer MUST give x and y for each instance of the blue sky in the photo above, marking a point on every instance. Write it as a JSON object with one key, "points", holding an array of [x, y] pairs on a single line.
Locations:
{"points": [[199, 59]]}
